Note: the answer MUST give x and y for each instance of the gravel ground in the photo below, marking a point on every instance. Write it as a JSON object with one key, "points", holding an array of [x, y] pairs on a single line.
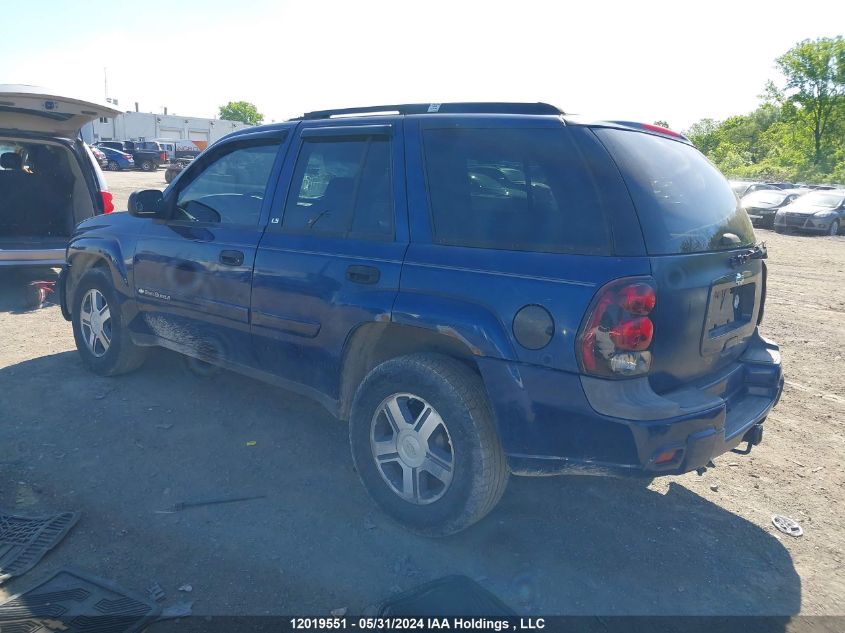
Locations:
{"points": [[122, 450]]}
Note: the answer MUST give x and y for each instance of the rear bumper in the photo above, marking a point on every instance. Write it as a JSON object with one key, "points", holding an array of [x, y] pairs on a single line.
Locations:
{"points": [[578, 425], [32, 258]]}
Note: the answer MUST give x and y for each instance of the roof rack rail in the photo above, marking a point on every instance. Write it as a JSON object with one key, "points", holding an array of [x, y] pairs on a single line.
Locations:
{"points": [[439, 108]]}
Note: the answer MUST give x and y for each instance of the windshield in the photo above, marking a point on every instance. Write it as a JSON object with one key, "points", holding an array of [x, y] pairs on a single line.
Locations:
{"points": [[763, 197], [684, 203], [827, 199]]}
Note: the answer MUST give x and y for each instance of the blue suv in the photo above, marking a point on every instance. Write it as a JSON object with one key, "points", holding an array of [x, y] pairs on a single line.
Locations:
{"points": [[479, 289]]}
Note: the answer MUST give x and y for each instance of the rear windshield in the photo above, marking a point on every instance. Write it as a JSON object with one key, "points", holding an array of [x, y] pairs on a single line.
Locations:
{"points": [[513, 189], [684, 203]]}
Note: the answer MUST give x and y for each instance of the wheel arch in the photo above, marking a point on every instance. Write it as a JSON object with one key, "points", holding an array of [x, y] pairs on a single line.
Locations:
{"points": [[371, 344], [85, 254]]}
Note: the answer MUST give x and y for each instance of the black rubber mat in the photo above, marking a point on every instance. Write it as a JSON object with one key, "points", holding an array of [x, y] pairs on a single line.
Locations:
{"points": [[24, 540], [447, 596], [76, 602]]}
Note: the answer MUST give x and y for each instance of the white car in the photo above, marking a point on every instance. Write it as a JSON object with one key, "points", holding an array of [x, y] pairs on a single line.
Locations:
{"points": [[49, 179]]}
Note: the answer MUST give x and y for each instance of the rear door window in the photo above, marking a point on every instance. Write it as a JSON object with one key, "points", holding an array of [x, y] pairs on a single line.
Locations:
{"points": [[513, 189], [342, 188], [684, 203]]}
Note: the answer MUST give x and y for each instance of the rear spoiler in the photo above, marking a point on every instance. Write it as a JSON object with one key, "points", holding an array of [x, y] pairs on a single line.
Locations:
{"points": [[654, 129]]}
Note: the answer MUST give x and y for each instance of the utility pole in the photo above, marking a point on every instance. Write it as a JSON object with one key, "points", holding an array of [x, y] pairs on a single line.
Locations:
{"points": [[106, 82]]}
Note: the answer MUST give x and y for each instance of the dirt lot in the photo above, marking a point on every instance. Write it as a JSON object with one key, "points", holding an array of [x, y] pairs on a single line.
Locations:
{"points": [[120, 450]]}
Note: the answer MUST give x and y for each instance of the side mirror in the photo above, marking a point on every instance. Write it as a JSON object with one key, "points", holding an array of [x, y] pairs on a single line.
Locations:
{"points": [[147, 204]]}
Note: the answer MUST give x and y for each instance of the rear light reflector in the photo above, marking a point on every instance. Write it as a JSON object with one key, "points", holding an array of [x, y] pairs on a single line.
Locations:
{"points": [[615, 338], [162, 156], [108, 203], [667, 456]]}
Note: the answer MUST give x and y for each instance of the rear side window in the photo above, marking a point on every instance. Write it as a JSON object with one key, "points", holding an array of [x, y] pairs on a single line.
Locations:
{"points": [[513, 189], [684, 203], [342, 188]]}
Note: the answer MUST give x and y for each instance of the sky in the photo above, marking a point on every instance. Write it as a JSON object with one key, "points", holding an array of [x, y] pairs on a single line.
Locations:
{"points": [[646, 61]]}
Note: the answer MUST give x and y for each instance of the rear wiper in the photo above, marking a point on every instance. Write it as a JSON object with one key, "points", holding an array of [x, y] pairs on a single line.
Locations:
{"points": [[758, 252]]}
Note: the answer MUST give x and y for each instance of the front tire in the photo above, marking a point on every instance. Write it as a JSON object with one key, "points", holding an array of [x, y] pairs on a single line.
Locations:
{"points": [[114, 165], [425, 444], [102, 339], [834, 228]]}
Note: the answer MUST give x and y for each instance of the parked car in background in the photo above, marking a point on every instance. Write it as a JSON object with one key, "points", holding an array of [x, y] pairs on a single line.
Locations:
{"points": [[179, 148], [600, 319], [743, 188], [175, 167], [761, 205], [49, 178], [152, 146], [99, 155], [146, 159], [820, 211], [783, 185], [117, 160]]}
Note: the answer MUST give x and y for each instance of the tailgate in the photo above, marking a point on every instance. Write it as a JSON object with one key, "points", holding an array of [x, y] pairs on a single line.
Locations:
{"points": [[699, 241], [707, 311], [32, 109]]}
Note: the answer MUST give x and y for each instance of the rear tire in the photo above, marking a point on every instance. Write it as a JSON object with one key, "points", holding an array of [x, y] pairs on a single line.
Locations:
{"points": [[440, 468], [113, 165], [148, 165], [103, 341]]}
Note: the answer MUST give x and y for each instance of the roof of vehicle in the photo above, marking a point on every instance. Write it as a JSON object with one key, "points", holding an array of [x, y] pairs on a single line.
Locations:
{"points": [[466, 108], [106, 150], [834, 192], [769, 192]]}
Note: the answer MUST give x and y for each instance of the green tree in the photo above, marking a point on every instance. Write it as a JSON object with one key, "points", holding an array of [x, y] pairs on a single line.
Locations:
{"points": [[242, 111], [662, 123], [815, 81]]}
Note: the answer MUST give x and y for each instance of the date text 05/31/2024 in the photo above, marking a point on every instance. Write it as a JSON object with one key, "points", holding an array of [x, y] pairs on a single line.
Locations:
{"points": [[416, 623]]}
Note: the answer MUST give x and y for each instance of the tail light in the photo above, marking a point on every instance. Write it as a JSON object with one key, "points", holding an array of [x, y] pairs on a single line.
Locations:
{"points": [[162, 156], [108, 203], [615, 339]]}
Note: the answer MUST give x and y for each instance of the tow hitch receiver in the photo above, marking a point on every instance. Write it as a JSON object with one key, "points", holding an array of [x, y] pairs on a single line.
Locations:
{"points": [[753, 437]]}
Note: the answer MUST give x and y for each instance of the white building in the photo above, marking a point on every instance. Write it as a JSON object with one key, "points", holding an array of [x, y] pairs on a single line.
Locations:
{"points": [[146, 126]]}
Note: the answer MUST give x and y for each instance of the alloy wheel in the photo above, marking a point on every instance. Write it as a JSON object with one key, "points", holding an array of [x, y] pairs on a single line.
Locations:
{"points": [[95, 322], [412, 448]]}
